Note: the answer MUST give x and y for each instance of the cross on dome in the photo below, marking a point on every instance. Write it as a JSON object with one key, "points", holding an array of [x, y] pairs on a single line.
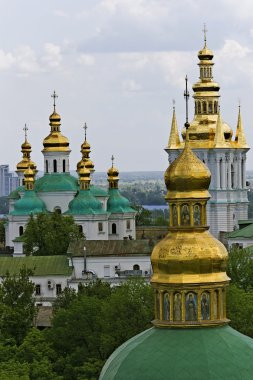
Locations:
{"points": [[54, 96], [25, 129], [204, 30], [112, 160]]}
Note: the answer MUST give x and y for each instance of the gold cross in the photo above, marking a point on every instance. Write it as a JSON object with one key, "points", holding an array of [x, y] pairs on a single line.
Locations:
{"points": [[54, 95]]}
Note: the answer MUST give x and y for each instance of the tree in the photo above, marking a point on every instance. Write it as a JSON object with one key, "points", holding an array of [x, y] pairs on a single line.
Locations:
{"points": [[50, 234], [2, 231], [240, 268], [143, 216], [17, 308]]}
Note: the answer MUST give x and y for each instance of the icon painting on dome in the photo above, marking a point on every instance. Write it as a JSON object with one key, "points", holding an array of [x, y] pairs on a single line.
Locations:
{"points": [[158, 304], [174, 215], [177, 309], [166, 307], [205, 306], [191, 307], [196, 215], [185, 215]]}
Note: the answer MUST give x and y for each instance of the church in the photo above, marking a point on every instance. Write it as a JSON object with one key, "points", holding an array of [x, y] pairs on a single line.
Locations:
{"points": [[211, 139], [101, 214]]}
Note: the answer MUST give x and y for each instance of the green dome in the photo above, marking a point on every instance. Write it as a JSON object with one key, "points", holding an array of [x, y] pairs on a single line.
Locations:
{"points": [[98, 191], [117, 203], [85, 203], [29, 204], [15, 193], [56, 182], [218, 353]]}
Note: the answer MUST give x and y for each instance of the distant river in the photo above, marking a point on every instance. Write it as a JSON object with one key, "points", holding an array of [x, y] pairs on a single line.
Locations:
{"points": [[155, 207]]}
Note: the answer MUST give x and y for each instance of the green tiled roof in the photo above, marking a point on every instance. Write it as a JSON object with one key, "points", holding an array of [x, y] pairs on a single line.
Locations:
{"points": [[41, 265], [85, 204], [183, 354], [56, 182], [111, 247], [117, 203], [98, 191], [30, 203], [246, 232]]}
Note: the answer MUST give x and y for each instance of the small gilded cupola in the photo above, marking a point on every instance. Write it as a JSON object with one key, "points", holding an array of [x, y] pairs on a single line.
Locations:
{"points": [[26, 159], [56, 146], [85, 150], [30, 203], [189, 264]]}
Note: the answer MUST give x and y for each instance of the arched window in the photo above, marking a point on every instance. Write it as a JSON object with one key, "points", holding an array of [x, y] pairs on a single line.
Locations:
{"points": [[80, 228], [136, 267], [46, 166], [114, 228], [199, 108], [55, 166], [57, 209], [21, 230], [215, 107], [210, 107], [232, 176], [63, 166], [204, 107]]}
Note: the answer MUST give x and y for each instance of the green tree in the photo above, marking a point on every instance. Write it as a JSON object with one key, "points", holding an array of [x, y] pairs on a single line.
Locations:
{"points": [[17, 309], [143, 216], [50, 234], [4, 208], [2, 231], [240, 268]]}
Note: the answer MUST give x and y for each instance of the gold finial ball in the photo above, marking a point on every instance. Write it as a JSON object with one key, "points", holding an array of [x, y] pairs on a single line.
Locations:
{"points": [[187, 173]]}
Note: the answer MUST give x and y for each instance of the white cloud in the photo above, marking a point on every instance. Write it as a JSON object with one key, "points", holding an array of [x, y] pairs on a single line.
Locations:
{"points": [[133, 60], [130, 85], [52, 56], [233, 50], [26, 60], [60, 13], [86, 60], [6, 60]]}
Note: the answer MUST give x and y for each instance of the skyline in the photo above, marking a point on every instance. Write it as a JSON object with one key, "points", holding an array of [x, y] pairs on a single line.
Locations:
{"points": [[117, 65]]}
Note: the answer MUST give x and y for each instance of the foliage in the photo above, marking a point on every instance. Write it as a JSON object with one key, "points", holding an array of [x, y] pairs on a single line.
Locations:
{"points": [[143, 216], [240, 268], [2, 231], [17, 309], [50, 234], [4, 208]]}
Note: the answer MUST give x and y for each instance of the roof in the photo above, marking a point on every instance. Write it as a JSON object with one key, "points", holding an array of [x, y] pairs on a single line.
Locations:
{"points": [[111, 247], [245, 232], [30, 203], [85, 204], [117, 203], [98, 191], [56, 182], [182, 354], [41, 265]]}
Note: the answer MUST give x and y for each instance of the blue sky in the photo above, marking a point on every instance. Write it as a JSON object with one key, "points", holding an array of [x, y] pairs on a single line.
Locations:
{"points": [[117, 65]]}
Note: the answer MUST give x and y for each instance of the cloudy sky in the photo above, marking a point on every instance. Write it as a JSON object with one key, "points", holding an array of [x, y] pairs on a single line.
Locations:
{"points": [[117, 65]]}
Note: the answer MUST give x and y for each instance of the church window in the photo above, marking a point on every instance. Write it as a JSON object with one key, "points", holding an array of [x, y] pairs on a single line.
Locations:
{"points": [[63, 166], [58, 289], [100, 226], [37, 290], [55, 166], [174, 215], [128, 224], [80, 228], [46, 166], [232, 177], [201, 72], [166, 306], [204, 107], [21, 230], [57, 209], [215, 107], [136, 267], [106, 270], [210, 107], [114, 228], [199, 108]]}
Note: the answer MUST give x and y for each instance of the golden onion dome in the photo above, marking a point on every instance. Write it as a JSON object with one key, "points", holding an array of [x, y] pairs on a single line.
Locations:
{"points": [[113, 172], [84, 172], [26, 146], [54, 117], [85, 146], [55, 141], [187, 174], [29, 174], [24, 164], [205, 54], [89, 164]]}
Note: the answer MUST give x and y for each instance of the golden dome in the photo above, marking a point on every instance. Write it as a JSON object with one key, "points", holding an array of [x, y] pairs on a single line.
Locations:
{"points": [[113, 172], [55, 141], [24, 164], [26, 146], [85, 146], [187, 174], [54, 117]]}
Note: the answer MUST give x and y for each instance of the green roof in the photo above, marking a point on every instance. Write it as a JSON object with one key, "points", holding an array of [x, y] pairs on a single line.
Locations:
{"points": [[41, 265], [182, 354], [111, 247], [29, 204], [245, 232], [85, 204], [117, 203], [56, 182], [98, 191]]}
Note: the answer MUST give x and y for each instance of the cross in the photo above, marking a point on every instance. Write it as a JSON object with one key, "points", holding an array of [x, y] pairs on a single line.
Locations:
{"points": [[85, 129], [205, 31], [174, 103], [112, 160], [239, 104], [25, 129], [54, 95], [186, 96]]}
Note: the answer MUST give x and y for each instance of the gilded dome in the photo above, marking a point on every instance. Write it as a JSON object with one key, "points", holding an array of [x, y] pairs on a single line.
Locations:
{"points": [[85, 146], [23, 165], [55, 141], [187, 174], [205, 54], [26, 146], [113, 172], [54, 117]]}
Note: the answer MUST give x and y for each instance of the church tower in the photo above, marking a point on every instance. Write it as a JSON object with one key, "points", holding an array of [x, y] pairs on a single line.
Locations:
{"points": [[212, 141]]}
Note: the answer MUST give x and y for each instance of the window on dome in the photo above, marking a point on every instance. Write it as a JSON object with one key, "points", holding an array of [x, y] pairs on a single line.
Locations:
{"points": [[174, 215], [128, 224], [21, 230], [55, 166], [46, 166], [199, 107], [114, 228], [166, 306], [215, 107], [210, 107], [204, 107], [100, 227], [63, 166], [37, 290]]}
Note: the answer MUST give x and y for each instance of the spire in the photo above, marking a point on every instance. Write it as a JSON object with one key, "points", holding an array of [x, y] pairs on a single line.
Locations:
{"points": [[174, 140], [204, 31], [219, 141], [26, 152], [240, 136], [54, 96]]}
